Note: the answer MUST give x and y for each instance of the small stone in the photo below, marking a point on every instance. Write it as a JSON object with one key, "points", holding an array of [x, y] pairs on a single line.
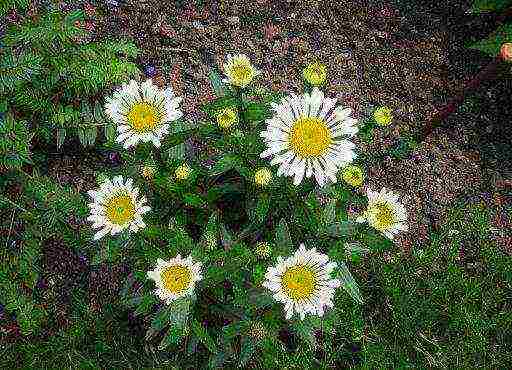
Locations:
{"points": [[234, 20]]}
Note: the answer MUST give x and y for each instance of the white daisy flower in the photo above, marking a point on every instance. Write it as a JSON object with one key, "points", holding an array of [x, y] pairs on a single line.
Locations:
{"points": [[175, 278], [305, 137], [239, 70], [302, 282], [385, 213], [141, 112], [115, 207]]}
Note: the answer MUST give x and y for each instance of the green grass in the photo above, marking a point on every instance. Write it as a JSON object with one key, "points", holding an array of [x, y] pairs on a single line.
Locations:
{"points": [[440, 310], [434, 308]]}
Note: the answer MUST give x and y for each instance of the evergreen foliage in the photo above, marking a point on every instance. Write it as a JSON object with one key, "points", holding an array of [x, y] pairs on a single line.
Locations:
{"points": [[51, 75]]}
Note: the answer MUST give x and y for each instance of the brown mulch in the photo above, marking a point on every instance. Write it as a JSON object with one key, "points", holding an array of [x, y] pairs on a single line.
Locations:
{"points": [[374, 54]]}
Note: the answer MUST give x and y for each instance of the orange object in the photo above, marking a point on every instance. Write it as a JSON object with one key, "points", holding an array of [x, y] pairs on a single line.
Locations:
{"points": [[506, 52]]}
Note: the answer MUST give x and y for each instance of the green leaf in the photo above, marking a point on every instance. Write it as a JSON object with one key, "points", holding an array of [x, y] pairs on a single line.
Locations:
{"points": [[484, 6], [146, 304], [202, 334], [255, 112], [338, 229], [193, 200], [61, 136], [329, 213], [226, 238], [247, 350], [217, 84], [226, 163], [162, 318], [172, 337], [176, 152], [283, 240], [110, 132], [82, 136], [355, 250], [91, 133], [216, 192], [348, 283], [305, 331], [492, 44], [260, 211], [259, 298]]}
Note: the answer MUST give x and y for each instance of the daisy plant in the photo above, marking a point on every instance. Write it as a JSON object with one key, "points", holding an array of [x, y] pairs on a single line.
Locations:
{"points": [[302, 282], [116, 206], [385, 213], [142, 112], [309, 136], [236, 192]]}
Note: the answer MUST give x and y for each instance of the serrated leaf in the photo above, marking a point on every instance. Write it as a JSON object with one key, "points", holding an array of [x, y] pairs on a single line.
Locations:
{"points": [[217, 84], [283, 240], [338, 229], [177, 152], [224, 164], [492, 44], [202, 334], [348, 283], [61, 137]]}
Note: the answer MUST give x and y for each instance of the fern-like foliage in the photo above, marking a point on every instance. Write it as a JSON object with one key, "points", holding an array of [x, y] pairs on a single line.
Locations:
{"points": [[50, 74], [14, 142], [8, 5]]}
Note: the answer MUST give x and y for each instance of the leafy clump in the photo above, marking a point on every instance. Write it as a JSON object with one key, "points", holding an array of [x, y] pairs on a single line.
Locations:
{"points": [[50, 75], [492, 44]]}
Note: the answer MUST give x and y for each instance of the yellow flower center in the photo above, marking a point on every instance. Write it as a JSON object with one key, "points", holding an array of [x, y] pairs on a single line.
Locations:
{"points": [[382, 216], [353, 175], [310, 137], [262, 177], [383, 116], [315, 73], [241, 73], [263, 250], [176, 278], [143, 117], [120, 209], [182, 172], [226, 117], [299, 282]]}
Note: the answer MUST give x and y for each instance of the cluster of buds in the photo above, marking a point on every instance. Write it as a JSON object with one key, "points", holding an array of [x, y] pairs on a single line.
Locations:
{"points": [[263, 250], [183, 172], [257, 330], [148, 171]]}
